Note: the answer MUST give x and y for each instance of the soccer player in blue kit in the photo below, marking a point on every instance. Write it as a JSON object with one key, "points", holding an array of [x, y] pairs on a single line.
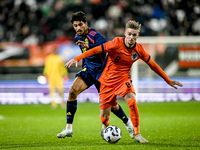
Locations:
{"points": [[88, 38]]}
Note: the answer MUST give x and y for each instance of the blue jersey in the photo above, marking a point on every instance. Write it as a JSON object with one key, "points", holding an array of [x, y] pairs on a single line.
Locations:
{"points": [[93, 38]]}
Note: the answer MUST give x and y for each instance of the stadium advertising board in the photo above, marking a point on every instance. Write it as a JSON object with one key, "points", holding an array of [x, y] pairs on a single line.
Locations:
{"points": [[189, 56], [31, 92], [19, 55]]}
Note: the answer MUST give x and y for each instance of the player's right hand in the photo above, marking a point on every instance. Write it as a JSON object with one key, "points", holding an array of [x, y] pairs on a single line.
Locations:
{"points": [[83, 44], [71, 62], [173, 83]]}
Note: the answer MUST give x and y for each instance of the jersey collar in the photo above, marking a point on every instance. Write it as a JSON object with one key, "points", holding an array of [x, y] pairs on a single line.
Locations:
{"points": [[129, 47]]}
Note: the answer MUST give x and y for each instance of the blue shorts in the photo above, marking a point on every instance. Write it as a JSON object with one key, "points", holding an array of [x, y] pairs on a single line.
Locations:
{"points": [[90, 78]]}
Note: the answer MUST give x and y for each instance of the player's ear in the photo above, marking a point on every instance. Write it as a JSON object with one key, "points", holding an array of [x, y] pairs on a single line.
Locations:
{"points": [[138, 35]]}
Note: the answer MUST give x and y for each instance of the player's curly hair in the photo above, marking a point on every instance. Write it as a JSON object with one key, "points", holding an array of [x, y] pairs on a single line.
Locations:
{"points": [[78, 16], [133, 25]]}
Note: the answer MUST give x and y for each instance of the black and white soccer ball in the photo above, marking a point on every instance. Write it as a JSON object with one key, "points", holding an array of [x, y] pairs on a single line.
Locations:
{"points": [[112, 134]]}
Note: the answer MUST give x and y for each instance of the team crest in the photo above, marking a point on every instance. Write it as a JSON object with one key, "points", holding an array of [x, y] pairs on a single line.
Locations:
{"points": [[134, 56]]}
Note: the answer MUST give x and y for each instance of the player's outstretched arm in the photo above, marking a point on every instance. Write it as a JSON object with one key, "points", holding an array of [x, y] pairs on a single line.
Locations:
{"points": [[173, 83], [156, 68], [71, 62], [93, 51]]}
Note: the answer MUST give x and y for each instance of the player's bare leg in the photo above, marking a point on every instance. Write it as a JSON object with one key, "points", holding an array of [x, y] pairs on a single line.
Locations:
{"points": [[77, 87], [104, 117], [134, 115]]}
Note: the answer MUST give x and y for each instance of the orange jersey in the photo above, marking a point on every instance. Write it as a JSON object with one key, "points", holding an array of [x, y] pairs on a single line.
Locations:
{"points": [[120, 60]]}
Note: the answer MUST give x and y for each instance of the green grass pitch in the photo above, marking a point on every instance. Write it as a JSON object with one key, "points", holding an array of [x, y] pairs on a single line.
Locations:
{"points": [[173, 125]]}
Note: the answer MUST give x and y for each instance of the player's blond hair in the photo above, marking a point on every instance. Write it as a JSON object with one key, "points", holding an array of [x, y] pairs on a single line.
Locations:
{"points": [[133, 25]]}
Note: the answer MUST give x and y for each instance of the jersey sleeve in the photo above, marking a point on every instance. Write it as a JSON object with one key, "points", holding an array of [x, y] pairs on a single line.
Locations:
{"points": [[143, 54], [106, 47], [156, 68], [152, 64], [110, 46], [99, 39], [93, 51]]}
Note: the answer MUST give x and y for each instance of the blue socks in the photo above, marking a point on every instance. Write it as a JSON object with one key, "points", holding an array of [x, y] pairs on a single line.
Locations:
{"points": [[121, 114], [72, 107], [71, 110]]}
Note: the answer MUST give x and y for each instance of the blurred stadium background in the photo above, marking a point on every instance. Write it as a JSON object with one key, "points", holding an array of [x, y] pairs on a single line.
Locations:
{"points": [[29, 29]]}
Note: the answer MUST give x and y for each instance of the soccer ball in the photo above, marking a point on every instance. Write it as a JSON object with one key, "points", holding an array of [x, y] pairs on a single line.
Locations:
{"points": [[112, 134]]}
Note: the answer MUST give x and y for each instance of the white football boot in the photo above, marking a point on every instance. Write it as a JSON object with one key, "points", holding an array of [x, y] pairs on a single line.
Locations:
{"points": [[130, 129], [140, 139], [65, 132], [102, 131]]}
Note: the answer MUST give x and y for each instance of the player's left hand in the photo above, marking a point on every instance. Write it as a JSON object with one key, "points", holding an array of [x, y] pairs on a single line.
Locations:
{"points": [[72, 61], [83, 44], [173, 83]]}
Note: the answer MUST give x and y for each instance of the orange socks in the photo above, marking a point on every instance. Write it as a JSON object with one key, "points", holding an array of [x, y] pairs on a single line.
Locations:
{"points": [[134, 115], [104, 121]]}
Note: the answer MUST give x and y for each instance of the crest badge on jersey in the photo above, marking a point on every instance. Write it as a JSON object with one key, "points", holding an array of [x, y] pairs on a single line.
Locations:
{"points": [[134, 56]]}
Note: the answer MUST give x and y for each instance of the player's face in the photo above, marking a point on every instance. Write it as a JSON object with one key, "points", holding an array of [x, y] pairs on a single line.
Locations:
{"points": [[80, 27], [131, 36]]}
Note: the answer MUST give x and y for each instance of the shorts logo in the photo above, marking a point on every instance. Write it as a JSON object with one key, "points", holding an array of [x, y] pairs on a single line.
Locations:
{"points": [[134, 56]]}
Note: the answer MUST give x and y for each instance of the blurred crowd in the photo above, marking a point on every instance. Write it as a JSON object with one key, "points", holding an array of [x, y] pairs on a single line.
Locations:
{"points": [[40, 21]]}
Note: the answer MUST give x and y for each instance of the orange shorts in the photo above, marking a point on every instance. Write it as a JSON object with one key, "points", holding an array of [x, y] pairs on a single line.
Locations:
{"points": [[108, 94]]}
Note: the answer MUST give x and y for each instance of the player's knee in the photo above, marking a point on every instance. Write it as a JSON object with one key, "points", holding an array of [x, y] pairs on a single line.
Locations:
{"points": [[129, 96], [115, 108], [105, 113], [73, 93]]}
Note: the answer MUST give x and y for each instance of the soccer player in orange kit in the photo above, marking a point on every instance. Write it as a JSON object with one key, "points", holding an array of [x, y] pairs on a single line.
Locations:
{"points": [[115, 79]]}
